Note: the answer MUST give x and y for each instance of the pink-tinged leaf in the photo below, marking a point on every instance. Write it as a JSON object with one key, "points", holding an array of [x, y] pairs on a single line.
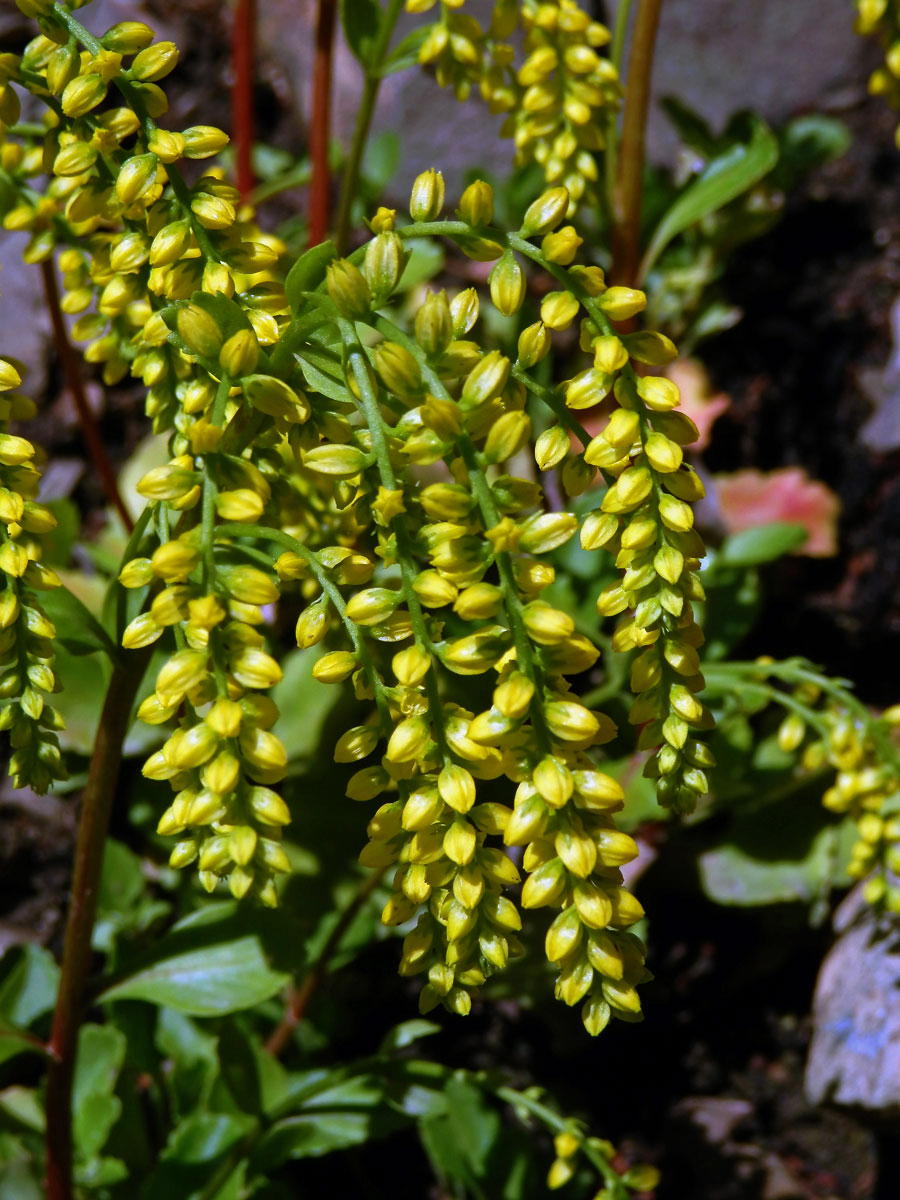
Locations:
{"points": [[747, 499], [698, 400]]}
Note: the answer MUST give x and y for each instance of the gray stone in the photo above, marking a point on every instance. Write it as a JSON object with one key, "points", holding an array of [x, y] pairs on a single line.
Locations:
{"points": [[854, 1056]]}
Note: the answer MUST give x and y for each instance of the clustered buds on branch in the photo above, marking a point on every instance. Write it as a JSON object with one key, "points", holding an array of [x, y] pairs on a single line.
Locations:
{"points": [[557, 100], [321, 450]]}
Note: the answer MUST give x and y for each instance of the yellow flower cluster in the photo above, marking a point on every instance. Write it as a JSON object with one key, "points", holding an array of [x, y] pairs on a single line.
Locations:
{"points": [[175, 288], [138, 236], [865, 754], [26, 634], [377, 468], [558, 99], [881, 18]]}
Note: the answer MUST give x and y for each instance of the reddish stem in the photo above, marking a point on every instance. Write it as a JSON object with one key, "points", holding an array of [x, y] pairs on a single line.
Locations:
{"points": [[320, 125], [299, 997], [96, 806], [243, 55], [629, 186], [71, 365]]}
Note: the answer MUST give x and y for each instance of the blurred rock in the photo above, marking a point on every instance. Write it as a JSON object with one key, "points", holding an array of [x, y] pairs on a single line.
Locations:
{"points": [[854, 1056]]}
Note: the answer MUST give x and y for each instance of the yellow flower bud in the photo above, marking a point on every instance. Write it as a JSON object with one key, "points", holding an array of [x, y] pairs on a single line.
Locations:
{"points": [[457, 788], [242, 504], [14, 450], [662, 454], [174, 561], [427, 197], [142, 631], [546, 625], [534, 345], [240, 354], [650, 347], [312, 625], [610, 354], [136, 177], [342, 461], [507, 436], [562, 246], [408, 740], [335, 667], [383, 221], [213, 212], [155, 62], [9, 376], [551, 447], [571, 722], [594, 909], [372, 605], [507, 283], [460, 842], [128, 37], [587, 389], [564, 935], [476, 205], [546, 531], [486, 380], [513, 696], [685, 483], [398, 369], [82, 94], [621, 303], [657, 392], [631, 489], [384, 262], [545, 213], [202, 141], [553, 781], [434, 324], [356, 743], [348, 288], [559, 309], [253, 668]]}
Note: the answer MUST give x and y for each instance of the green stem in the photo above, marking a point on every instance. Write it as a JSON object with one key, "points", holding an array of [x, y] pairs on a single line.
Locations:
{"points": [[557, 406], [359, 365], [264, 533], [797, 671], [512, 604], [557, 1124], [363, 121]]}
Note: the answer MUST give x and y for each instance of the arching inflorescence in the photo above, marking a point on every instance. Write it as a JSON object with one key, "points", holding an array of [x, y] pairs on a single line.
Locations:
{"points": [[379, 471], [558, 99]]}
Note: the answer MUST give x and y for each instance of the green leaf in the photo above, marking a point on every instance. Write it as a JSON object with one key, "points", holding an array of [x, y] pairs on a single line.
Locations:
{"points": [[406, 1033], [406, 52], [76, 626], [29, 978], [791, 854], [459, 1142], [690, 126], [751, 547], [219, 960], [302, 706], [101, 1052], [194, 1149], [381, 160], [361, 22], [723, 179], [807, 142], [308, 272], [349, 1113]]}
